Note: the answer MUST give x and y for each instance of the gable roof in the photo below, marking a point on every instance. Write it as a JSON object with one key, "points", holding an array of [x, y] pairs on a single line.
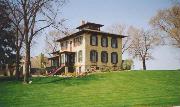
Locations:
{"points": [[89, 31]]}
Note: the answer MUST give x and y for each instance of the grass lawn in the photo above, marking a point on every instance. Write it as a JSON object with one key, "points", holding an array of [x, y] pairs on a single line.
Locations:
{"points": [[133, 88]]}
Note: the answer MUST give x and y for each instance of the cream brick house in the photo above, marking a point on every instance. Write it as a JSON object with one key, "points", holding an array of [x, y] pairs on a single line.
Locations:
{"points": [[89, 49]]}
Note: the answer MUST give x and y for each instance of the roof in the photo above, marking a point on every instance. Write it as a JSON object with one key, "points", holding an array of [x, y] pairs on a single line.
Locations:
{"points": [[89, 31], [55, 52], [67, 52], [89, 23], [54, 57]]}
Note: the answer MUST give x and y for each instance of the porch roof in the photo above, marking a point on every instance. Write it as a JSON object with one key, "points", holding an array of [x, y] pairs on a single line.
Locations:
{"points": [[55, 52], [66, 52], [54, 57]]}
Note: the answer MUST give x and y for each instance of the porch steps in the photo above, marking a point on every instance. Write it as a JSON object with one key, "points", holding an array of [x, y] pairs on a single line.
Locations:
{"points": [[55, 70]]}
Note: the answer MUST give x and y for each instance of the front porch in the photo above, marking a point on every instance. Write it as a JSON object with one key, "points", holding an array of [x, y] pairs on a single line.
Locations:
{"points": [[67, 59], [54, 61], [63, 62]]}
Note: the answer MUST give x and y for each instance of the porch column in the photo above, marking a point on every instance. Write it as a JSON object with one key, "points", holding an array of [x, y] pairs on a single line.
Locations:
{"points": [[66, 70], [59, 60]]}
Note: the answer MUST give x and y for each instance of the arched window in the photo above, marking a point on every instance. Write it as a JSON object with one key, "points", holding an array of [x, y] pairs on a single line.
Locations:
{"points": [[80, 56], [94, 40], [114, 43], [104, 42], [104, 57], [114, 57], [93, 56]]}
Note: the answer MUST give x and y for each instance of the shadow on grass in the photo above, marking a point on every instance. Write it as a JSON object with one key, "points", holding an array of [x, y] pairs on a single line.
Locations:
{"points": [[65, 81], [68, 81], [9, 79]]}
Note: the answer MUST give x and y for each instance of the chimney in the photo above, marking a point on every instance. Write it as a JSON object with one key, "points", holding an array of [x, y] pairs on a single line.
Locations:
{"points": [[83, 22]]}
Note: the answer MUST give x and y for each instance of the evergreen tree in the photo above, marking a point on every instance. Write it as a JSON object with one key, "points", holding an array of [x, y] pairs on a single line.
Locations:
{"points": [[7, 44]]}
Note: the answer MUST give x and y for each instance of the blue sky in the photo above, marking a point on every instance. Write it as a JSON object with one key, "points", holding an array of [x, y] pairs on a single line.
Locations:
{"points": [[128, 12]]}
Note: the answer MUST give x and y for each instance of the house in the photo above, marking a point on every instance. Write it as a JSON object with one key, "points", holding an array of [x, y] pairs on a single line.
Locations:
{"points": [[89, 49]]}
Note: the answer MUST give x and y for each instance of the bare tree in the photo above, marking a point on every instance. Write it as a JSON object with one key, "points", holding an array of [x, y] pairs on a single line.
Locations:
{"points": [[167, 21], [121, 29], [51, 43], [37, 15], [142, 44]]}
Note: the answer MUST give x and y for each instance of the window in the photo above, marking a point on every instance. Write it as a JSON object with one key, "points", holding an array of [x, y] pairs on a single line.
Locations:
{"points": [[93, 56], [104, 42], [114, 43], [71, 58], [104, 57], [74, 41], [114, 57], [80, 56], [76, 56], [62, 59], [62, 44], [94, 40], [78, 40], [66, 44]]}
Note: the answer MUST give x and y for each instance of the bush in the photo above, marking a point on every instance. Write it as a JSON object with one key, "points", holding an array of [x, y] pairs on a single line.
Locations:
{"points": [[127, 64]]}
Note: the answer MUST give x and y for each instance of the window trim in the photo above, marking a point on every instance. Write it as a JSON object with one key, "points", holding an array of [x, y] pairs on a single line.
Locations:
{"points": [[102, 41], [114, 38], [92, 41], [78, 41], [91, 58], [105, 52], [80, 58], [112, 57], [66, 44]]}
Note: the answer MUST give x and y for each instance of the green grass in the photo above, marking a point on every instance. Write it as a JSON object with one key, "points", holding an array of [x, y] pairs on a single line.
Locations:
{"points": [[113, 89]]}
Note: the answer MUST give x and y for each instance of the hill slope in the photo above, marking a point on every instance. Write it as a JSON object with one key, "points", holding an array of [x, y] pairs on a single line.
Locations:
{"points": [[148, 88]]}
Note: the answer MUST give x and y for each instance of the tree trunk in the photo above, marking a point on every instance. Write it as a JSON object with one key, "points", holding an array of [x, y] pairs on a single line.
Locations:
{"points": [[144, 64], [17, 64], [27, 64], [27, 48]]}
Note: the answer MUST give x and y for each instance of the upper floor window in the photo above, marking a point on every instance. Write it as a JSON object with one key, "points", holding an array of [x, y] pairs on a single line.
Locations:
{"points": [[114, 43], [104, 42], [93, 56], [80, 56], [78, 40], [94, 40], [104, 57], [114, 57], [64, 45]]}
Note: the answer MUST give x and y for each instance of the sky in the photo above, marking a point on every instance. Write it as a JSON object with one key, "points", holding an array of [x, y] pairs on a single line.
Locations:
{"points": [[128, 12]]}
